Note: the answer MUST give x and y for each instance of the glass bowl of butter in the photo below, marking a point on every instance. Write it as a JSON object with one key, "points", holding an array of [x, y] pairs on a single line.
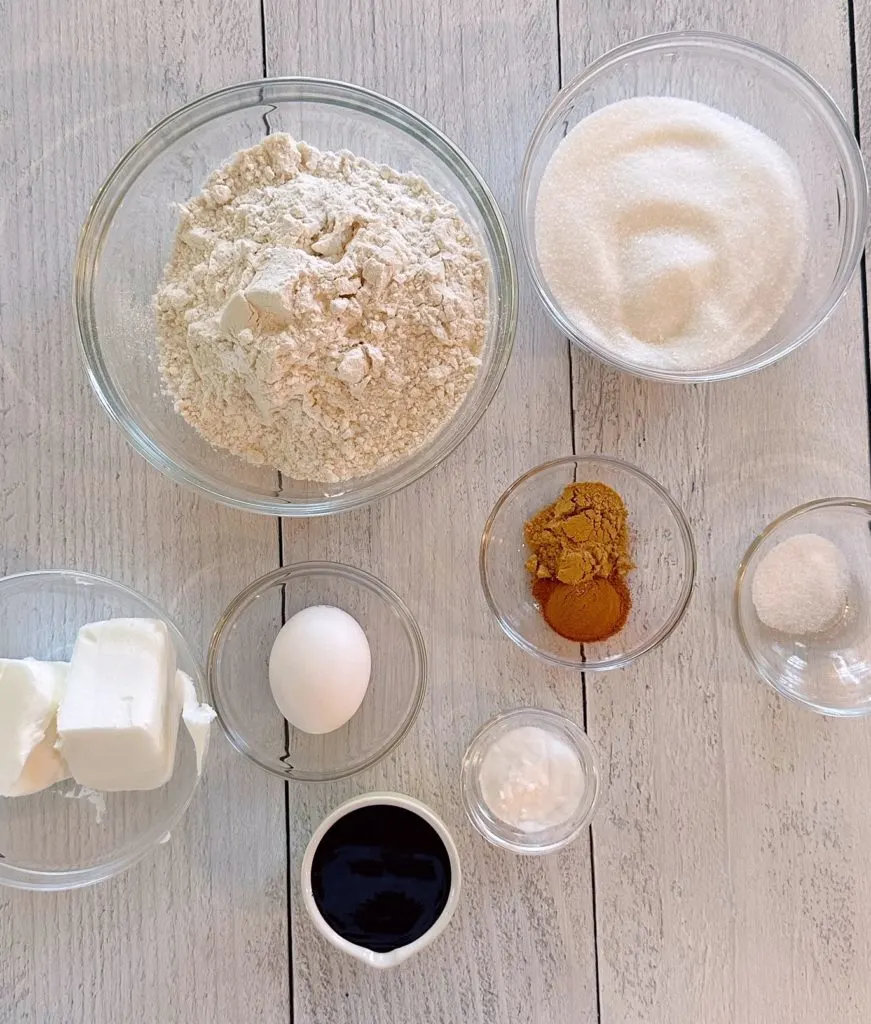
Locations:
{"points": [[96, 767]]}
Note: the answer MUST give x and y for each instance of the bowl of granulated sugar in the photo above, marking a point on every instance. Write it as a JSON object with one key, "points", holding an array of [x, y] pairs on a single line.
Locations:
{"points": [[693, 207], [803, 605], [295, 296]]}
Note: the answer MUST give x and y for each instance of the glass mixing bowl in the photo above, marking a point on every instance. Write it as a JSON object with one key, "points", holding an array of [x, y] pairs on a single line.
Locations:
{"points": [[661, 546], [128, 235], [830, 672], [238, 672], [770, 93], [64, 838]]}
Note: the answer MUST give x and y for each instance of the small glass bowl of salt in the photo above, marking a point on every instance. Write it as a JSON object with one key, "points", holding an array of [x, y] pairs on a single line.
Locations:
{"points": [[530, 781], [803, 605]]}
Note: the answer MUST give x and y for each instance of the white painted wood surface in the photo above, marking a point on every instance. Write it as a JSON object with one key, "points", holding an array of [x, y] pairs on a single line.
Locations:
{"points": [[728, 864], [198, 931], [521, 947], [730, 856]]}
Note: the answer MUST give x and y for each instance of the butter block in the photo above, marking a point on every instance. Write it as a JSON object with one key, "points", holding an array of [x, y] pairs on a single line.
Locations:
{"points": [[118, 720], [29, 694], [44, 767]]}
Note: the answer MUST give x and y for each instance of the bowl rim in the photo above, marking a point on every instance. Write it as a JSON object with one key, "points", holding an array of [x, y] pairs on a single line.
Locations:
{"points": [[475, 807], [856, 184], [78, 878], [742, 581], [331, 92], [655, 639], [280, 577]]}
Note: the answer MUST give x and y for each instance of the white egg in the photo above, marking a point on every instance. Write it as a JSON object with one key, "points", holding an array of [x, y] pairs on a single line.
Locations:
{"points": [[319, 668]]}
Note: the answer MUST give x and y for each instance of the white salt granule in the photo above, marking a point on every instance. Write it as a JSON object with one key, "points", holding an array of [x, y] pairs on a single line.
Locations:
{"points": [[671, 233], [801, 585]]}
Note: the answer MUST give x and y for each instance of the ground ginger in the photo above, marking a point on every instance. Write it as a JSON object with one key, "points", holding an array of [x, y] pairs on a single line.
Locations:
{"points": [[582, 536]]}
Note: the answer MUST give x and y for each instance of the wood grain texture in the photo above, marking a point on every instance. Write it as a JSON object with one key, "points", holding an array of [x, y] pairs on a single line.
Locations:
{"points": [[521, 946], [197, 931], [730, 864]]}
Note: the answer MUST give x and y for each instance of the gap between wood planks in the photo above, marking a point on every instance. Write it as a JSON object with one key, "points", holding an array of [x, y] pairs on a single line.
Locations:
{"points": [[288, 878], [863, 269], [559, 71]]}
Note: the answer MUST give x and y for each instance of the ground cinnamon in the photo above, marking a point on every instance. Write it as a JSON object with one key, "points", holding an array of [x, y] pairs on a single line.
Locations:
{"points": [[584, 612], [580, 555]]}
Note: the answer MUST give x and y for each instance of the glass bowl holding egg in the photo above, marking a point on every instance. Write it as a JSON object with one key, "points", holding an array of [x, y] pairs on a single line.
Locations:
{"points": [[317, 671]]}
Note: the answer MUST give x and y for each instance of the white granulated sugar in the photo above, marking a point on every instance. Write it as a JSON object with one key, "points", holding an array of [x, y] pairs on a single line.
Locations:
{"points": [[320, 314], [801, 586], [670, 233]]}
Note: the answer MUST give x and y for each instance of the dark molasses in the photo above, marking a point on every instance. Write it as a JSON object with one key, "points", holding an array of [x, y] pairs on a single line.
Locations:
{"points": [[381, 877]]}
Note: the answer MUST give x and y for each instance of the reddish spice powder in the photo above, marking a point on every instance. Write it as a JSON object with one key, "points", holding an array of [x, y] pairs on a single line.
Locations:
{"points": [[584, 612]]}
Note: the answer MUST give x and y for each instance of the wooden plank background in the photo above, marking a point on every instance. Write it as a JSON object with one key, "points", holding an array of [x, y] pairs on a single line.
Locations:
{"points": [[725, 878], [728, 887], [198, 931]]}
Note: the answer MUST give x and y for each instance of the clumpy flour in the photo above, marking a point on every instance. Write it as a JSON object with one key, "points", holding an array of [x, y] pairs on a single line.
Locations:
{"points": [[319, 313]]}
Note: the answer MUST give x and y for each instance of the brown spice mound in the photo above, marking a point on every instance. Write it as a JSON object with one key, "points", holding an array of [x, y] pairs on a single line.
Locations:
{"points": [[586, 612], [581, 536], [580, 553]]}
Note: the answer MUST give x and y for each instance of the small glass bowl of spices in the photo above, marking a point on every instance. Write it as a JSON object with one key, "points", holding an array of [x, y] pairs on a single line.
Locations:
{"points": [[530, 781], [587, 562], [803, 605]]}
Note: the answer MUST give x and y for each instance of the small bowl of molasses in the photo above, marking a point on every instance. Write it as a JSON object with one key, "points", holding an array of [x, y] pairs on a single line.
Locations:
{"points": [[381, 878], [587, 562]]}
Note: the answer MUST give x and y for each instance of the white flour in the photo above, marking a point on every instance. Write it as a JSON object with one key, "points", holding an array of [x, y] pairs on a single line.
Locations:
{"points": [[320, 314], [671, 233]]}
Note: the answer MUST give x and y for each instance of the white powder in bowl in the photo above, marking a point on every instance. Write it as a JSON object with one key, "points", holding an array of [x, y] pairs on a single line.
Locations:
{"points": [[801, 586], [532, 779], [670, 233], [320, 314]]}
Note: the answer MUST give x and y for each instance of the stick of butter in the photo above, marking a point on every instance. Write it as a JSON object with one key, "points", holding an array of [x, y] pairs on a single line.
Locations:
{"points": [[29, 694], [117, 722]]}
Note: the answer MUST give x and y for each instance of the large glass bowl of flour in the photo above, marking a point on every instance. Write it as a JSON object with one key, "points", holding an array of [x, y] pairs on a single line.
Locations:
{"points": [[766, 92], [129, 234]]}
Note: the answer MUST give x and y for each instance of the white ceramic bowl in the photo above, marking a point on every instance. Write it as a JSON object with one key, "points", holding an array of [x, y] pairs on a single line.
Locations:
{"points": [[369, 956]]}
